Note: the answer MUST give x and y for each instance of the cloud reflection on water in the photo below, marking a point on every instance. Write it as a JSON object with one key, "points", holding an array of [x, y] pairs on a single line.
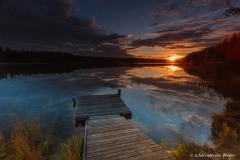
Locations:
{"points": [[161, 102], [169, 107]]}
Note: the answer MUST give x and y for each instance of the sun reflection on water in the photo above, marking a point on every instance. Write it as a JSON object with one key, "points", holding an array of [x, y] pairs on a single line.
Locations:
{"points": [[174, 68]]}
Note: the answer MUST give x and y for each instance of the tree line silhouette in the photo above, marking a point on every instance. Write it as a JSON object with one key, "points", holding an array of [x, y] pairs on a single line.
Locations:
{"points": [[8, 55], [23, 62], [227, 51]]}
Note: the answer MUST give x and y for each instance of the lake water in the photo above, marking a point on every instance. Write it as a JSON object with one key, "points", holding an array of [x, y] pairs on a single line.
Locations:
{"points": [[164, 104]]}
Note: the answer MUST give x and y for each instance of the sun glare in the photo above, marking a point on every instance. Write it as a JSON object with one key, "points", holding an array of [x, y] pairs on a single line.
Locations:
{"points": [[173, 58], [173, 68]]}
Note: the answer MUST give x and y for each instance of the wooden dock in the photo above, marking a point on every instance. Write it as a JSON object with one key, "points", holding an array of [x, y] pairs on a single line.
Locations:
{"points": [[115, 138], [109, 135], [100, 105]]}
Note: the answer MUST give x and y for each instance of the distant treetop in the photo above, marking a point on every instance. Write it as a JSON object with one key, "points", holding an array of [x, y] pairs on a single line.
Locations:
{"points": [[227, 51]]}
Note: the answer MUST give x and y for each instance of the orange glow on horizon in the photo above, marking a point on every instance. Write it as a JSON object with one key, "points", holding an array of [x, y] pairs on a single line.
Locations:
{"points": [[174, 57]]}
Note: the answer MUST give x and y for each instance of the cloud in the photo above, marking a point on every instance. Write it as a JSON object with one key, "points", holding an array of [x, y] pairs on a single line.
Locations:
{"points": [[54, 25], [174, 8], [167, 39], [188, 24]]}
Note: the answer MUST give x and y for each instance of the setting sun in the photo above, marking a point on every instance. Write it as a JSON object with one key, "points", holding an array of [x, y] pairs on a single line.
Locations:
{"points": [[173, 58]]}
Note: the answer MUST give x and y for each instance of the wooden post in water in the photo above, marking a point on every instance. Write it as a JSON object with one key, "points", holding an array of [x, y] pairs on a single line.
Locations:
{"points": [[74, 103], [119, 92]]}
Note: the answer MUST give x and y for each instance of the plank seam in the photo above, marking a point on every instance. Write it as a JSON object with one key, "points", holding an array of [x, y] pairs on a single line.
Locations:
{"points": [[85, 142]]}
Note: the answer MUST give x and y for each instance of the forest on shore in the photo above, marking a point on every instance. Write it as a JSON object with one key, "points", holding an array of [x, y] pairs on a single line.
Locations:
{"points": [[226, 52], [8, 55]]}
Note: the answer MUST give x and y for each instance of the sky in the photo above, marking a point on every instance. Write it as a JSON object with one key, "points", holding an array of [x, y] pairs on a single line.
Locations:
{"points": [[123, 28]]}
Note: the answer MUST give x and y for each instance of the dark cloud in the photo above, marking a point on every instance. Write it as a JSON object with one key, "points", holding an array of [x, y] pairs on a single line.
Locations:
{"points": [[173, 8], [192, 27], [71, 25], [188, 24], [170, 40], [53, 25]]}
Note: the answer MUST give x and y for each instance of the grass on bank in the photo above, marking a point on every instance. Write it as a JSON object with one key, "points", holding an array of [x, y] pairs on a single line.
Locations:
{"points": [[227, 143], [2, 147], [226, 128], [71, 149], [183, 151], [225, 133], [30, 142]]}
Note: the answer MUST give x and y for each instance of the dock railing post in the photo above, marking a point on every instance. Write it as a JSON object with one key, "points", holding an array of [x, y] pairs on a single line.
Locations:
{"points": [[74, 103], [119, 92]]}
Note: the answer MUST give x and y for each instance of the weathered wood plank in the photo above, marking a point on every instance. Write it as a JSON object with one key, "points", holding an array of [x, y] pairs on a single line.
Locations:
{"points": [[103, 113], [107, 130], [108, 136], [100, 105], [111, 132], [136, 152], [159, 154], [110, 126], [116, 138], [96, 122], [106, 119], [106, 111], [117, 142], [119, 154], [127, 145], [118, 151]]}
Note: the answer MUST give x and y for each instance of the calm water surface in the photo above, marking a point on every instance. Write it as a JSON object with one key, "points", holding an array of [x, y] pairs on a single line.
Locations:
{"points": [[164, 105]]}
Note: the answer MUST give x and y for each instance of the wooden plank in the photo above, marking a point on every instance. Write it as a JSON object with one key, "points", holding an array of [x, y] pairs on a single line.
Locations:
{"points": [[110, 119], [116, 138], [112, 112], [111, 132], [123, 140], [128, 138], [103, 113], [129, 154], [125, 145], [108, 136], [119, 150], [99, 100], [159, 154], [97, 96], [95, 122], [107, 130], [101, 138], [100, 105], [96, 110], [113, 139], [103, 110], [106, 124]]}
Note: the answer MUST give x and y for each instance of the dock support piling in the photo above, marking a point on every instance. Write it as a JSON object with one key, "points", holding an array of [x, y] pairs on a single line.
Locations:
{"points": [[74, 103], [119, 92]]}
